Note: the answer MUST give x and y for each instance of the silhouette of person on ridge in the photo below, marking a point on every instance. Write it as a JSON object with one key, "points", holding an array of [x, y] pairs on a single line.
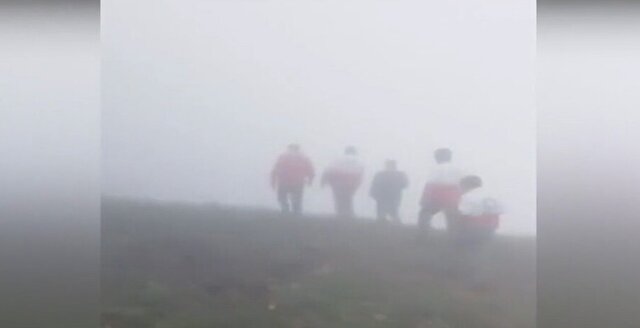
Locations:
{"points": [[441, 192], [292, 171], [386, 190], [344, 176]]}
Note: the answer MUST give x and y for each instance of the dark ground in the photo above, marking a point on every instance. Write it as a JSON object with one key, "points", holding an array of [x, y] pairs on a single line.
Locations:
{"points": [[202, 266]]}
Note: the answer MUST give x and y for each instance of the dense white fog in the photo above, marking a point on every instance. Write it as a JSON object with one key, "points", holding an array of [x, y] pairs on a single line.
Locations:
{"points": [[200, 97], [49, 114], [588, 185], [49, 164]]}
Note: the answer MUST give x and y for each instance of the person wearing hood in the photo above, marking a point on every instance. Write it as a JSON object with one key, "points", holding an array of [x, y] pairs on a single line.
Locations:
{"points": [[344, 176]]}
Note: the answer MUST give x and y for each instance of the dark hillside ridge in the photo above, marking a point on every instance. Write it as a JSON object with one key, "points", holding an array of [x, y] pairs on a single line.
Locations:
{"points": [[187, 265]]}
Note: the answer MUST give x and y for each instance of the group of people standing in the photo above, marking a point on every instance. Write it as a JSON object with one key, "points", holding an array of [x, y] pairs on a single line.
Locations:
{"points": [[293, 171], [461, 198]]}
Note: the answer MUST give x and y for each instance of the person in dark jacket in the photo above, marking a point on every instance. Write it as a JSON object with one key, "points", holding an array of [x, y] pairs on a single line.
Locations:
{"points": [[387, 189]]}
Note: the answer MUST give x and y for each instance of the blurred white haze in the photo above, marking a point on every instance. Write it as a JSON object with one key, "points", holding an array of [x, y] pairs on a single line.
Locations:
{"points": [[200, 97]]}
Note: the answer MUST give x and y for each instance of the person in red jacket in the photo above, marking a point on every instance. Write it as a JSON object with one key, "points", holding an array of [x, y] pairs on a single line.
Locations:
{"points": [[292, 171], [441, 192]]}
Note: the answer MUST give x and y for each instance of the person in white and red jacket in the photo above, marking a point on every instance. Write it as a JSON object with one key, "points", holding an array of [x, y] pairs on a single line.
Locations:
{"points": [[344, 176], [292, 171], [478, 213], [441, 192]]}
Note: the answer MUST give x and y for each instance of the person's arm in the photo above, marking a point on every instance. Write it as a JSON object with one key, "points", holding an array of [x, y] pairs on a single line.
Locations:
{"points": [[426, 195], [373, 192], [467, 206], [360, 176], [311, 173], [492, 206], [274, 173]]}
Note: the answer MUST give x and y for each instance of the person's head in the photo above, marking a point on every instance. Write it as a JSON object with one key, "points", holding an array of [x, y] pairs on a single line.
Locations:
{"points": [[351, 150], [294, 148], [470, 182], [442, 155], [390, 165]]}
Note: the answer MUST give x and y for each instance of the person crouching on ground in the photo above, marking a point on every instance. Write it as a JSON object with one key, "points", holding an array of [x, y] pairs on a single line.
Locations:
{"points": [[344, 176], [386, 190], [292, 171], [479, 214], [441, 192], [478, 218]]}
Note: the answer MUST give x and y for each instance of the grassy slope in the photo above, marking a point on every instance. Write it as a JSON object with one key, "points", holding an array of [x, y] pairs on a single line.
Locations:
{"points": [[173, 265]]}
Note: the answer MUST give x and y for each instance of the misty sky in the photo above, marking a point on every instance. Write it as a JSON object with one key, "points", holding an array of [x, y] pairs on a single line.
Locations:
{"points": [[49, 113], [199, 97]]}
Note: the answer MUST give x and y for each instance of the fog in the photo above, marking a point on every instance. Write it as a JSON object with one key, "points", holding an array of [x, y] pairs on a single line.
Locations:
{"points": [[200, 97], [49, 164], [588, 182], [48, 112]]}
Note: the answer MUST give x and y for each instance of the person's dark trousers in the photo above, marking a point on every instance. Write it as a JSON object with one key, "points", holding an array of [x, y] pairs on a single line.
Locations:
{"points": [[343, 202], [425, 216], [290, 198], [429, 210], [388, 209]]}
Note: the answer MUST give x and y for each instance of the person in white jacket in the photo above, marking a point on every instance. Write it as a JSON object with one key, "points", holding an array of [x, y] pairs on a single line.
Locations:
{"points": [[344, 176], [441, 191], [478, 212]]}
